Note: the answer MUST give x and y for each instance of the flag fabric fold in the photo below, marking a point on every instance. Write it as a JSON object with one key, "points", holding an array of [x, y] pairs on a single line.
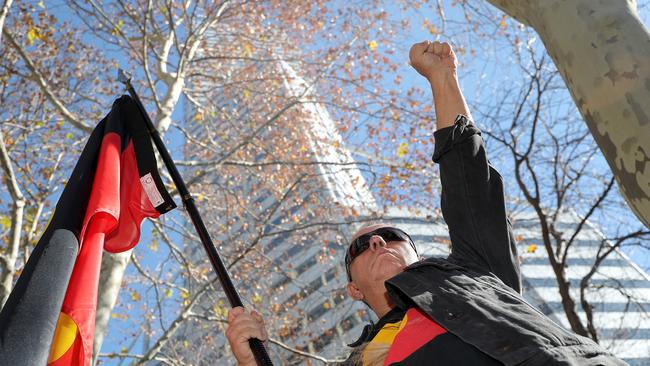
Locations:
{"points": [[49, 317]]}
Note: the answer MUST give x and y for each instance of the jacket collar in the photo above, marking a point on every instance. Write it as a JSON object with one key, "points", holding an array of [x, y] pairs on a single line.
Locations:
{"points": [[370, 330]]}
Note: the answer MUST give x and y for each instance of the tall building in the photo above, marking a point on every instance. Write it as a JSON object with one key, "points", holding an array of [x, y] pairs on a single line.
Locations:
{"points": [[295, 206], [619, 291]]}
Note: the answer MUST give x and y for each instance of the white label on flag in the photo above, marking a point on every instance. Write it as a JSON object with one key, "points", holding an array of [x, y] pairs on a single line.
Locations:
{"points": [[151, 190]]}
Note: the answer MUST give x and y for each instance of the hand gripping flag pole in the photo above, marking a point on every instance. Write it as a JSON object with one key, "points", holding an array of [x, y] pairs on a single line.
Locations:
{"points": [[261, 356]]}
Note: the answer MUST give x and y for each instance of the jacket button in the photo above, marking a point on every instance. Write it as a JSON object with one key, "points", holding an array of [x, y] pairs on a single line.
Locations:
{"points": [[452, 316]]}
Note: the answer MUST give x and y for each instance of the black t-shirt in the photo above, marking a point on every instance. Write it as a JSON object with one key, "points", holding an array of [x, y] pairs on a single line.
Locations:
{"points": [[411, 337]]}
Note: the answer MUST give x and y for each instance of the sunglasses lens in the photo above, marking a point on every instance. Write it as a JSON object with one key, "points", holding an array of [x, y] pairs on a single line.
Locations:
{"points": [[359, 246], [392, 234], [389, 234]]}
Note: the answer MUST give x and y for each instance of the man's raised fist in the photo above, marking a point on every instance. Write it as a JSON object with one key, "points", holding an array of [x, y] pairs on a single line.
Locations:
{"points": [[434, 60]]}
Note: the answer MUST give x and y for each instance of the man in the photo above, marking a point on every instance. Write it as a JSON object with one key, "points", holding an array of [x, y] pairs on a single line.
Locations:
{"points": [[466, 309]]}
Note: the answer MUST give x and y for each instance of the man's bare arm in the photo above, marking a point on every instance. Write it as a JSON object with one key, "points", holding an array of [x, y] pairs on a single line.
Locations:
{"points": [[437, 63]]}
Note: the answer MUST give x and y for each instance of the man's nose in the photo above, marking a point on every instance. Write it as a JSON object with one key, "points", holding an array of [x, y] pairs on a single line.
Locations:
{"points": [[376, 242]]}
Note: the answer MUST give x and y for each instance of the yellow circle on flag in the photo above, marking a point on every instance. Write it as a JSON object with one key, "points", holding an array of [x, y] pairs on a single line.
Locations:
{"points": [[64, 336]]}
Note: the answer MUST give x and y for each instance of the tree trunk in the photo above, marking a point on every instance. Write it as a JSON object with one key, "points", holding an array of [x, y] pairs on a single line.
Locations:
{"points": [[3, 15], [602, 51], [110, 281], [8, 260]]}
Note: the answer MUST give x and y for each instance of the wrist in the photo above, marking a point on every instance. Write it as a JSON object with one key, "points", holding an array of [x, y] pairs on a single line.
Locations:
{"points": [[441, 84]]}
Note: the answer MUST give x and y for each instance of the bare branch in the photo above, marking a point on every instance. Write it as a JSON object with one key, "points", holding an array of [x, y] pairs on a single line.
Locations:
{"points": [[9, 261], [38, 77]]}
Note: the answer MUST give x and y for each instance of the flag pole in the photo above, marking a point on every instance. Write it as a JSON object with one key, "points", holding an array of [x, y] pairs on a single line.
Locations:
{"points": [[261, 356]]}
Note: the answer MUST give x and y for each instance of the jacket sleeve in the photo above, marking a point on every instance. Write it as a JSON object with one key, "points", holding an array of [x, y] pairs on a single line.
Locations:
{"points": [[473, 205]]}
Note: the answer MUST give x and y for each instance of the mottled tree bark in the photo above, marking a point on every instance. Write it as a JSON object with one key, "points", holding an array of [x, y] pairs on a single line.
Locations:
{"points": [[602, 51], [110, 281], [8, 259]]}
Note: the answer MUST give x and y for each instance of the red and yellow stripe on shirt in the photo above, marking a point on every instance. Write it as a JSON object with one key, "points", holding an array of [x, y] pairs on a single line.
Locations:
{"points": [[401, 338]]}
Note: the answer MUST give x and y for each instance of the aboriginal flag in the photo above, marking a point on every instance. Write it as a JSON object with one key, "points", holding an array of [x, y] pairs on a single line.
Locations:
{"points": [[50, 314]]}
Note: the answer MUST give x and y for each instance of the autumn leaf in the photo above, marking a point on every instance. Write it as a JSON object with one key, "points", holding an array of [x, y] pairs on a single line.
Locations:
{"points": [[116, 28], [430, 27], [32, 35], [256, 298], [219, 310], [248, 49], [502, 23], [168, 292], [531, 248], [119, 316], [5, 221], [403, 149], [372, 45], [135, 296]]}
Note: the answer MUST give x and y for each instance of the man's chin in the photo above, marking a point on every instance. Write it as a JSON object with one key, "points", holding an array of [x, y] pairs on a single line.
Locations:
{"points": [[389, 270]]}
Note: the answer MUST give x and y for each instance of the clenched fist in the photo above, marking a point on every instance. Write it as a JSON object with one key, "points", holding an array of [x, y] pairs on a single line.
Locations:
{"points": [[434, 60], [243, 326]]}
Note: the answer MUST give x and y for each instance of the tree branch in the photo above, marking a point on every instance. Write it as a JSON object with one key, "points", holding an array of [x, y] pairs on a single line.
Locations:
{"points": [[45, 88]]}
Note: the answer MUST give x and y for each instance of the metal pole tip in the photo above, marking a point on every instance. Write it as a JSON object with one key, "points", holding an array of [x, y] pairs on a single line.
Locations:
{"points": [[123, 76]]}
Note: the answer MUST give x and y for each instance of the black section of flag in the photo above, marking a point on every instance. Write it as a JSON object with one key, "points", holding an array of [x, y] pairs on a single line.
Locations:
{"points": [[145, 153], [28, 321]]}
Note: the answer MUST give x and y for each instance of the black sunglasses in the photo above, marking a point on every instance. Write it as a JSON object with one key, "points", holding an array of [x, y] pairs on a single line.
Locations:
{"points": [[360, 244]]}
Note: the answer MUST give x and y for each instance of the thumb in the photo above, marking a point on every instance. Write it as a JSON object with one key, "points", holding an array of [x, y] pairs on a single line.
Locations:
{"points": [[257, 316]]}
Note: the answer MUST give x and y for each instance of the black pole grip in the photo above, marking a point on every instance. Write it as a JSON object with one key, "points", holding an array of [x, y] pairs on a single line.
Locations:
{"points": [[259, 351]]}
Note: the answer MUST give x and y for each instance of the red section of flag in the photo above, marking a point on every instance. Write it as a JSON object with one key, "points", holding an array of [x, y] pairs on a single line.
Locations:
{"points": [[115, 210], [135, 205], [418, 331]]}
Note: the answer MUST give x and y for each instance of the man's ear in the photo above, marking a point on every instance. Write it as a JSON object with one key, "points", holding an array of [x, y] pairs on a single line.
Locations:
{"points": [[354, 291]]}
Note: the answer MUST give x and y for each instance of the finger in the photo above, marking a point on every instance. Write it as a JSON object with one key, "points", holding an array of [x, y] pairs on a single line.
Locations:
{"points": [[247, 331], [446, 49], [417, 49], [234, 313], [437, 48], [428, 46], [257, 316], [242, 331], [425, 45], [242, 320]]}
